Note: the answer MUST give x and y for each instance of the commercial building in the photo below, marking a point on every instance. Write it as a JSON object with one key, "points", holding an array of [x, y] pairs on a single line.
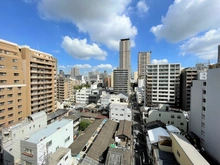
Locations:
{"points": [[13, 99], [143, 61], [163, 84], [74, 72], [38, 147], [121, 81], [204, 115], [125, 55]]}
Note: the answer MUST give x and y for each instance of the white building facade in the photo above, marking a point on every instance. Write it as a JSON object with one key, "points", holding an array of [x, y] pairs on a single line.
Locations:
{"points": [[120, 111], [40, 146], [112, 98], [82, 95], [12, 135]]}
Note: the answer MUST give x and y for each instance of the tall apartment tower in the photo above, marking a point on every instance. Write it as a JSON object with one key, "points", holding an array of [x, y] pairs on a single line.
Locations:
{"points": [[163, 84], [121, 83], [187, 76], [125, 55], [12, 86], [74, 72], [218, 53], [143, 61], [39, 69]]}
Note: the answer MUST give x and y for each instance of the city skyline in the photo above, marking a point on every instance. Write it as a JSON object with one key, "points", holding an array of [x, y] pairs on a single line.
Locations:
{"points": [[175, 31]]}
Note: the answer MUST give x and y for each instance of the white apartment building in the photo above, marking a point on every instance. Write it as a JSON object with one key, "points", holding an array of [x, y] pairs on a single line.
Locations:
{"points": [[82, 95], [120, 111], [140, 95], [169, 116], [112, 98], [204, 115], [163, 84], [62, 156], [12, 135], [40, 146]]}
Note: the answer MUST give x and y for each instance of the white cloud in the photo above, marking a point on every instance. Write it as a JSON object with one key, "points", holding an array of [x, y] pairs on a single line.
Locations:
{"points": [[163, 61], [142, 7], [83, 66], [81, 50], [205, 46], [56, 51], [105, 21], [62, 67], [187, 18], [103, 66]]}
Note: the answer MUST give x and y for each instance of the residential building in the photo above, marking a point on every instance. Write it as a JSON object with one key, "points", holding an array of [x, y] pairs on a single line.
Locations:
{"points": [[112, 98], [125, 53], [143, 61], [62, 73], [38, 148], [62, 156], [82, 95], [107, 82], [204, 115], [166, 115], [13, 100], [140, 95], [94, 96], [121, 81], [163, 84], [12, 135], [40, 71], [112, 79], [135, 77], [120, 111], [74, 72], [187, 76]]}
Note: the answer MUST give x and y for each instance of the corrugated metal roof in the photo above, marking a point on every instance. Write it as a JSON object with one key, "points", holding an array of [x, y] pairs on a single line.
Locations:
{"points": [[124, 128], [155, 133], [58, 155]]}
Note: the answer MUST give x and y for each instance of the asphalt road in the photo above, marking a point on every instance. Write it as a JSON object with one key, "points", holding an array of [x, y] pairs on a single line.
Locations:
{"points": [[140, 153]]}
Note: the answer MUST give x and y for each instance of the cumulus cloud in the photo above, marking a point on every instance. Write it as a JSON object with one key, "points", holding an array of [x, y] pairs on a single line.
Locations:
{"points": [[163, 61], [103, 66], [187, 18], [81, 50], [83, 66], [204, 46], [142, 7], [105, 21]]}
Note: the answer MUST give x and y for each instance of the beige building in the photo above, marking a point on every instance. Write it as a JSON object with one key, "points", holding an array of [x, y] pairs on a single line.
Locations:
{"points": [[27, 82], [187, 76], [107, 82], [13, 107], [143, 61]]}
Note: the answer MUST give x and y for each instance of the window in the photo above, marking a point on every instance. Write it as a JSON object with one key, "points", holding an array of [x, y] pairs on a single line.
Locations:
{"points": [[10, 102], [66, 158], [2, 96], [19, 94], [2, 103], [15, 67], [20, 118], [10, 115], [172, 116], [10, 122], [112, 113], [19, 100], [16, 81], [204, 91], [129, 115], [9, 95], [2, 110], [172, 122], [19, 88], [20, 112], [204, 83], [2, 58], [178, 153], [2, 66], [203, 108], [14, 60], [2, 117], [178, 117], [10, 109], [181, 123], [19, 106], [16, 74], [121, 114], [67, 139], [1, 89], [6, 52], [2, 73], [9, 89], [49, 143], [2, 81], [159, 114]]}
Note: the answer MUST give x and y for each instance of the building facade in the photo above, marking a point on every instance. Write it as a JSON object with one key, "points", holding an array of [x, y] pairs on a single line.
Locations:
{"points": [[74, 72], [163, 84], [143, 61], [82, 95], [120, 111], [13, 100], [121, 81], [125, 53]]}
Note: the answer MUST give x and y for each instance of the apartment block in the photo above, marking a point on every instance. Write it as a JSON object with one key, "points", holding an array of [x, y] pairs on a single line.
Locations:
{"points": [[204, 114], [39, 69], [13, 100], [187, 76], [82, 95], [125, 54], [120, 111], [74, 72], [143, 61], [163, 84], [121, 81]]}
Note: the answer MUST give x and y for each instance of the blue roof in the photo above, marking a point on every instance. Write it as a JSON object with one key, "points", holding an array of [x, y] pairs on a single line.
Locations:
{"points": [[49, 130]]}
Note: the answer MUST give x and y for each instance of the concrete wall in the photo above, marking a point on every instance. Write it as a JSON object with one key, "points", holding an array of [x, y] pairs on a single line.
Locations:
{"points": [[120, 112]]}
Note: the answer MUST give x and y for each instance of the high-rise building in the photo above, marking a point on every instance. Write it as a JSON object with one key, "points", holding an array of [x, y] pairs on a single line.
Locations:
{"points": [[135, 77], [74, 72], [125, 55], [163, 84], [218, 53], [107, 82], [187, 76], [143, 61], [13, 107], [62, 73], [39, 69], [204, 113], [121, 81]]}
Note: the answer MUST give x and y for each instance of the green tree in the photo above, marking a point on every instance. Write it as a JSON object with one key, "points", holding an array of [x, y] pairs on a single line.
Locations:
{"points": [[83, 125]]}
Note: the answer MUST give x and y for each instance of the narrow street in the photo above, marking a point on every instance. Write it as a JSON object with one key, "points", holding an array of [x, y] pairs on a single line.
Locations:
{"points": [[140, 154]]}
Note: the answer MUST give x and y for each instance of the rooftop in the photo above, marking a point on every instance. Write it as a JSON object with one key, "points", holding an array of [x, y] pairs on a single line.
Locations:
{"points": [[49, 130], [117, 156], [124, 128], [154, 134], [58, 155], [77, 146], [57, 113], [165, 158]]}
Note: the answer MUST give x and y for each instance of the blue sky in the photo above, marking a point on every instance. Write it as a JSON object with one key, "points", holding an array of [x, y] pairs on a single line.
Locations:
{"points": [[86, 33]]}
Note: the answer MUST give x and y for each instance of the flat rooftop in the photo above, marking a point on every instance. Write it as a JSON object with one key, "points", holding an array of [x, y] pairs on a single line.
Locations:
{"points": [[49, 130]]}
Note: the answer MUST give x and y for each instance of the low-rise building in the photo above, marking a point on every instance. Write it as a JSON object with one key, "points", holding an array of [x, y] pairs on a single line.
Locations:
{"points": [[62, 156], [82, 95], [40, 146], [120, 111], [112, 98]]}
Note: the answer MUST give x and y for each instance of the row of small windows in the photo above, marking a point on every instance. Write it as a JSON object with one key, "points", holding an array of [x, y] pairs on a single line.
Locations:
{"points": [[7, 52], [9, 89], [8, 95], [4, 74], [9, 102], [172, 116], [13, 67]]}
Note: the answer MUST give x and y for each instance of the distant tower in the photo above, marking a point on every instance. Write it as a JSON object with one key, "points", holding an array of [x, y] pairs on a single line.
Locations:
{"points": [[143, 61], [74, 72], [218, 53]]}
